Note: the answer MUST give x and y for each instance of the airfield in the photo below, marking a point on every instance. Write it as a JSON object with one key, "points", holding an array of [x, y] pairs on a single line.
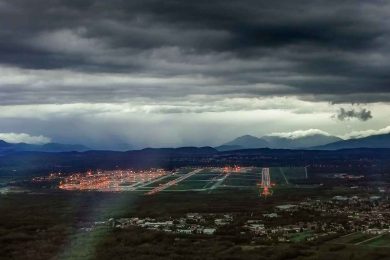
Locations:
{"points": [[212, 179], [154, 181]]}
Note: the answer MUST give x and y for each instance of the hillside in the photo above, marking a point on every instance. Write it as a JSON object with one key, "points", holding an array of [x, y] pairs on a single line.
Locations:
{"points": [[49, 147], [244, 142], [277, 142], [300, 142], [374, 141]]}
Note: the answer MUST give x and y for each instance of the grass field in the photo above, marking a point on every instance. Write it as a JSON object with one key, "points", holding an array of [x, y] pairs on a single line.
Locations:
{"points": [[188, 185], [241, 182], [382, 241], [248, 178], [283, 175], [277, 176], [353, 238], [205, 177], [165, 180], [299, 237], [293, 173]]}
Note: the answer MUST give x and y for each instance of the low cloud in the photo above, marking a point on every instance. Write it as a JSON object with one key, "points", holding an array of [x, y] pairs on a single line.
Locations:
{"points": [[300, 133], [365, 133], [24, 138], [362, 115]]}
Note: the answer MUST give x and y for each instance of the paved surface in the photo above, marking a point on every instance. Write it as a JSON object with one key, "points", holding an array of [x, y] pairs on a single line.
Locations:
{"points": [[173, 182]]}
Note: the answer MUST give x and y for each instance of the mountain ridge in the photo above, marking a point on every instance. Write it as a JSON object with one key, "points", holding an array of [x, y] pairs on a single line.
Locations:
{"points": [[372, 141], [6, 147], [277, 142]]}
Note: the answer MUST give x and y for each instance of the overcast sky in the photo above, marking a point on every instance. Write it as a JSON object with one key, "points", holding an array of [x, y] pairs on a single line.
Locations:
{"points": [[120, 73]]}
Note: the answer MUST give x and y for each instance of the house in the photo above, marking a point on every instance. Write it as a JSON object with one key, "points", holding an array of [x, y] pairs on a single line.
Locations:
{"points": [[193, 216], [287, 207], [256, 227], [271, 215], [209, 231], [221, 222], [184, 231]]}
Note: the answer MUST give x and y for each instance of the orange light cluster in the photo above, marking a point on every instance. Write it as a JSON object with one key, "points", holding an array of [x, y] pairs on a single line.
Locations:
{"points": [[117, 180], [232, 169], [266, 192], [266, 183], [51, 177]]}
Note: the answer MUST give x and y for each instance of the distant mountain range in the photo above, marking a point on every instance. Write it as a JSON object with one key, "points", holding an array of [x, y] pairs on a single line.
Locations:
{"points": [[373, 141], [300, 142], [244, 142], [277, 142], [49, 147], [311, 142], [170, 158]]}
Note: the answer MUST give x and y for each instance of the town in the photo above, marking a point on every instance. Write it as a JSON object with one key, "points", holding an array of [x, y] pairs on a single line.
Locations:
{"points": [[308, 220], [115, 180]]}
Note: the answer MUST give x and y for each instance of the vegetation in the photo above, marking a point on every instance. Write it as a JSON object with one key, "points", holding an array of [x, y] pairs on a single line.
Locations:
{"points": [[45, 226]]}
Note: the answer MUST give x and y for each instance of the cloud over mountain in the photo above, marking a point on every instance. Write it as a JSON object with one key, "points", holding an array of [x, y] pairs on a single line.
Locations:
{"points": [[369, 132], [23, 138], [300, 133]]}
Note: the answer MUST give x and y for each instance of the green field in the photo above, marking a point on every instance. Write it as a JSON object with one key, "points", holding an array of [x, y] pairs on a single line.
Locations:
{"points": [[300, 237], [247, 179], [241, 182], [283, 175], [188, 185], [205, 177], [353, 238], [160, 182], [255, 175], [382, 241]]}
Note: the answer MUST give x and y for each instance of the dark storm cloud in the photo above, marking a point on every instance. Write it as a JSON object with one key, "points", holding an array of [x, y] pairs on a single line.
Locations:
{"points": [[323, 50], [362, 115]]}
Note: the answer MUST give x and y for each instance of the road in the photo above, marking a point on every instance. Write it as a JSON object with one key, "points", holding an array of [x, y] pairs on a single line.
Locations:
{"points": [[219, 182], [173, 182], [143, 184], [284, 176], [378, 236]]}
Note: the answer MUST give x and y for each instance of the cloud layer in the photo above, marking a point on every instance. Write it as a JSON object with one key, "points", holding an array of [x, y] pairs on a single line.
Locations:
{"points": [[365, 133], [171, 73], [300, 133], [23, 138], [117, 50]]}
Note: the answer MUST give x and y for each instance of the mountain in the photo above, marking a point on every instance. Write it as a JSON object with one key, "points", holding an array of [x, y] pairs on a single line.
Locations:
{"points": [[277, 142], [49, 147], [373, 141], [243, 142], [171, 158], [4, 144], [300, 142]]}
